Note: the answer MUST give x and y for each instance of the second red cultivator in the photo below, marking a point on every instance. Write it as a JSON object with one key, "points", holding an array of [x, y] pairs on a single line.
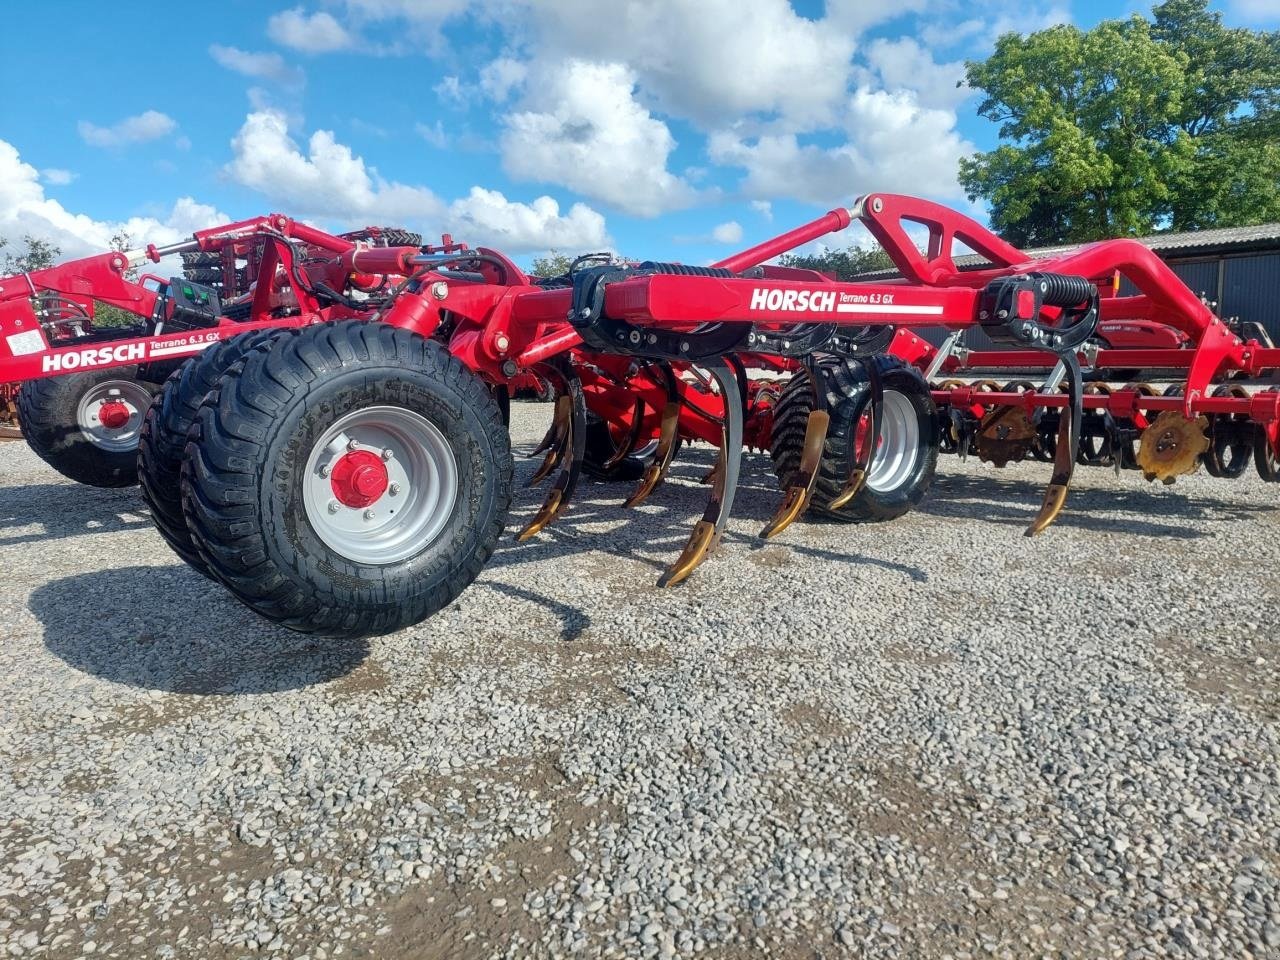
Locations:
{"points": [[353, 477]]}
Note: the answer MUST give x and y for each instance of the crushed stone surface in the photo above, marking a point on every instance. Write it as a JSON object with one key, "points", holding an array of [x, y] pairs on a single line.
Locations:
{"points": [[929, 738]]}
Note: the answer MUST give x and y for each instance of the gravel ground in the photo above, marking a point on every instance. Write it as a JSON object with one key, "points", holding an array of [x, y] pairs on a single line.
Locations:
{"points": [[926, 739]]}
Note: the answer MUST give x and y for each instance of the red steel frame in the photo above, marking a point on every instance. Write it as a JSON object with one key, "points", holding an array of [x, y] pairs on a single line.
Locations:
{"points": [[505, 325], [27, 352]]}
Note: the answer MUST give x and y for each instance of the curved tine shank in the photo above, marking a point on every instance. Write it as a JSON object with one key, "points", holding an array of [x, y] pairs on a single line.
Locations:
{"points": [[1066, 450], [559, 434], [707, 531], [863, 457], [632, 439], [575, 446], [667, 437], [815, 437]]}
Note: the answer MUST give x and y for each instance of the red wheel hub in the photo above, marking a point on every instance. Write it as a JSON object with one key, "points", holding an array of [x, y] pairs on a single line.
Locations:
{"points": [[862, 432], [113, 414], [359, 478]]}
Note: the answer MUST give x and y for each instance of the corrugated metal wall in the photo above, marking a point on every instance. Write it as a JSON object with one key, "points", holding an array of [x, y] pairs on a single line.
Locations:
{"points": [[1201, 276], [1251, 291]]}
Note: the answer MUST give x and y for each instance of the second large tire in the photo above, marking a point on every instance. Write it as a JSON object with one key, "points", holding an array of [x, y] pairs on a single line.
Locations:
{"points": [[163, 440], [272, 438], [61, 423], [903, 467]]}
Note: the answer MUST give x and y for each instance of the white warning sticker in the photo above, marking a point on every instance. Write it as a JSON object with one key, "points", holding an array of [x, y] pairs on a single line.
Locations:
{"points": [[21, 344]]}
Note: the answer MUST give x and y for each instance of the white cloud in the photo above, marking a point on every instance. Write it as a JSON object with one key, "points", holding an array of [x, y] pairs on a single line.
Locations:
{"points": [[431, 11], [261, 66], [330, 182], [25, 210], [451, 90], [151, 125], [903, 64], [434, 135], [499, 78], [856, 16], [987, 21], [764, 208], [327, 181], [56, 177], [707, 59], [730, 232], [487, 217], [310, 33], [417, 32], [893, 145], [586, 131]]}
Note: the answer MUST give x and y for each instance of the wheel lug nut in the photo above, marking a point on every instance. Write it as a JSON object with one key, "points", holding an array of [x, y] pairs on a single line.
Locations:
{"points": [[387, 454], [352, 445], [393, 489], [333, 506], [368, 514], [324, 469]]}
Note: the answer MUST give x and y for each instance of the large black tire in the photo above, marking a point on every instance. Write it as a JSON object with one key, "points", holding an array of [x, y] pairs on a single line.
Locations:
{"points": [[848, 399], [163, 441], [600, 447], [249, 466], [57, 422], [386, 236]]}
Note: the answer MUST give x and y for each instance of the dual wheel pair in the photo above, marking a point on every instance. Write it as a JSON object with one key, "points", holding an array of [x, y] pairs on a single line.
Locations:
{"points": [[347, 479]]}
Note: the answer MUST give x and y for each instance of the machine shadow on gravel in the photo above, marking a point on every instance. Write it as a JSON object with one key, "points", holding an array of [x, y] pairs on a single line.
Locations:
{"points": [[755, 503], [1004, 501], [66, 510], [210, 644]]}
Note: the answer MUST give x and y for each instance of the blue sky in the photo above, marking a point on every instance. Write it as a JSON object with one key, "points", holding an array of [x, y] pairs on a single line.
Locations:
{"points": [[680, 129]]}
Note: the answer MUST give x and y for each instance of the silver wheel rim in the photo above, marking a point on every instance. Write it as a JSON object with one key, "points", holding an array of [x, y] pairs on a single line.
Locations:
{"points": [[899, 450], [422, 486], [135, 397]]}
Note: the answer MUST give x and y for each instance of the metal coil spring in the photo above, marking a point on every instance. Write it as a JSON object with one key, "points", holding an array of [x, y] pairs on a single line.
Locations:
{"points": [[1063, 290], [683, 269]]}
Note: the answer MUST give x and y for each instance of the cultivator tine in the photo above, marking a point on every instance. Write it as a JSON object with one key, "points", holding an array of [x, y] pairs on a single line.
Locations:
{"points": [[710, 476], [862, 457], [815, 437], [1066, 449], [707, 531], [632, 440], [546, 442], [570, 452], [556, 441], [667, 438]]}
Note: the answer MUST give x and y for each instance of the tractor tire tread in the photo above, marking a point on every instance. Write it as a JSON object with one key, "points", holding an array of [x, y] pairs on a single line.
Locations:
{"points": [[222, 478]]}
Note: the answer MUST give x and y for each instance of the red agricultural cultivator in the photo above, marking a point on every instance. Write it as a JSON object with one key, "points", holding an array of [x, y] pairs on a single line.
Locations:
{"points": [[89, 383], [353, 476]]}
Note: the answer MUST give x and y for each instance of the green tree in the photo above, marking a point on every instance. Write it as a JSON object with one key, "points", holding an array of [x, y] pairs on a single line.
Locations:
{"points": [[553, 264], [1128, 127], [109, 315], [840, 264], [39, 254]]}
